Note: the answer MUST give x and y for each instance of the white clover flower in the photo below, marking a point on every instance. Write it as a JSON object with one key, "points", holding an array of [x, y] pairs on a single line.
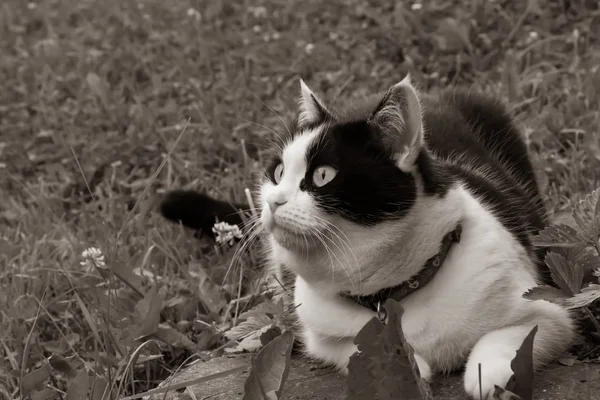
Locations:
{"points": [[92, 258], [225, 233], [416, 6], [193, 13]]}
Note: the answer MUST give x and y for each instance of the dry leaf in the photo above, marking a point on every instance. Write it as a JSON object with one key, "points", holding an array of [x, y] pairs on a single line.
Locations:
{"points": [[270, 369], [384, 366], [521, 382]]}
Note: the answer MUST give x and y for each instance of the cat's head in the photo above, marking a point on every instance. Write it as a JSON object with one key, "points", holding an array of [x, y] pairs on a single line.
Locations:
{"points": [[340, 178]]}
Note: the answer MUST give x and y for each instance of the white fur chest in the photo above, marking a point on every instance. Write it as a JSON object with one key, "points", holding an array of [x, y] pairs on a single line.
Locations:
{"points": [[477, 290]]}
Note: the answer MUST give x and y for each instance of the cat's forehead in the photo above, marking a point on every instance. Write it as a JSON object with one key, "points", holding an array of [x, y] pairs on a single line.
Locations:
{"points": [[295, 152]]}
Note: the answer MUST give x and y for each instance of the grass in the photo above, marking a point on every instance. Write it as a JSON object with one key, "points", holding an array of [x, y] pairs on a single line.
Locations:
{"points": [[94, 95]]}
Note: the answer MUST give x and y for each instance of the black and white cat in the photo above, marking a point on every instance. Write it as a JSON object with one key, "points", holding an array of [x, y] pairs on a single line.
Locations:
{"points": [[360, 206]]}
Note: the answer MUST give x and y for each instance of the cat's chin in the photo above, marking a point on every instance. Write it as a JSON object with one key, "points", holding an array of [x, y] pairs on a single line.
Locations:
{"points": [[293, 241]]}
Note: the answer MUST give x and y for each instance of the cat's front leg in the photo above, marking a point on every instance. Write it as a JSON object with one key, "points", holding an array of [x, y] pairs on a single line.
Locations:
{"points": [[337, 351], [496, 349]]}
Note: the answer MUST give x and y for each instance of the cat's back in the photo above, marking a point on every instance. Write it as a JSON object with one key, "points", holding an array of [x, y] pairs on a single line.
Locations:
{"points": [[475, 136]]}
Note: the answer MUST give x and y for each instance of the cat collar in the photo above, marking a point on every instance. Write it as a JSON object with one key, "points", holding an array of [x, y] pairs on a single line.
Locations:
{"points": [[423, 277]]}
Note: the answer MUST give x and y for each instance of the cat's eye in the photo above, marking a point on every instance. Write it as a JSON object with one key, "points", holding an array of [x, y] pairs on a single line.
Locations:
{"points": [[278, 173], [323, 175]]}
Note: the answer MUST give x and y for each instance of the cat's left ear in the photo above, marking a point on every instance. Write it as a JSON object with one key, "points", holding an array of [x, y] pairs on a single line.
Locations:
{"points": [[398, 118], [312, 111]]}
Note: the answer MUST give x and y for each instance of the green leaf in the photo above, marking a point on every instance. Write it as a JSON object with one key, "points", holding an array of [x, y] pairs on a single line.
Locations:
{"points": [[548, 293], [569, 277], [270, 369], [34, 380], [384, 366], [149, 310], [521, 382], [559, 235]]}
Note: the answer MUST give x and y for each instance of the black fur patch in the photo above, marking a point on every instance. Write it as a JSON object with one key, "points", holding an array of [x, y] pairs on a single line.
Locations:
{"points": [[368, 187]]}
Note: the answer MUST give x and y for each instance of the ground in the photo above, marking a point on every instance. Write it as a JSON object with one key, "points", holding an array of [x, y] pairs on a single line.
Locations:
{"points": [[129, 99]]}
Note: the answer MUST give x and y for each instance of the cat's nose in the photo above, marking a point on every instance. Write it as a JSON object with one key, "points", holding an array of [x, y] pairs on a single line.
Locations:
{"points": [[275, 201]]}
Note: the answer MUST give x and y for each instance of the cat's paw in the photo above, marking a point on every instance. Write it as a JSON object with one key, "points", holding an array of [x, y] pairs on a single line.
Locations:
{"points": [[494, 371]]}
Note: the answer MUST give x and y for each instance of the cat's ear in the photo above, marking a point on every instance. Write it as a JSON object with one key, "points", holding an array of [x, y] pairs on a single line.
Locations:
{"points": [[398, 118], [312, 111]]}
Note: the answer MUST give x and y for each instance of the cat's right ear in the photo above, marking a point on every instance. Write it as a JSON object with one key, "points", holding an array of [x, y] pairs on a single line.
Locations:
{"points": [[312, 111], [398, 118]]}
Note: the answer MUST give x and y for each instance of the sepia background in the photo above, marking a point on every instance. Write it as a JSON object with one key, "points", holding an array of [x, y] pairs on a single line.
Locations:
{"points": [[106, 105]]}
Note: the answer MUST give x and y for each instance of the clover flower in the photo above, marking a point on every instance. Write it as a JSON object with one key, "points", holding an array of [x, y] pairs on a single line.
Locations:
{"points": [[226, 233], [92, 258]]}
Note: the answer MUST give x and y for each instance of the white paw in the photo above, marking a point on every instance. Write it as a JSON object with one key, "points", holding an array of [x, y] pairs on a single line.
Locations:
{"points": [[424, 368], [495, 371]]}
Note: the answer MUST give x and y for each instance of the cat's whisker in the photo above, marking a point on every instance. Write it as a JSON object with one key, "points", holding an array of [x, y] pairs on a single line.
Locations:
{"points": [[277, 115], [343, 241]]}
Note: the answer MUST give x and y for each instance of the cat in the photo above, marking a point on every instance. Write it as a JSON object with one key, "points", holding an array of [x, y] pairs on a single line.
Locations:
{"points": [[430, 200]]}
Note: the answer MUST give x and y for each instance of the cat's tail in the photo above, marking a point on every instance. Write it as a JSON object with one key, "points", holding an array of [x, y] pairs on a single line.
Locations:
{"points": [[199, 211]]}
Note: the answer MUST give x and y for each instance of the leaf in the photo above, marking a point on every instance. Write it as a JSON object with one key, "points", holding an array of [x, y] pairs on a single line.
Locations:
{"points": [[252, 324], [79, 386], [62, 365], [587, 259], [269, 335], [569, 277], [173, 337], [250, 342], [559, 235], [587, 296], [585, 214], [548, 293], [63, 344], [99, 386], [521, 382], [567, 360], [266, 307], [34, 380], [270, 369], [46, 394], [149, 310], [503, 394], [384, 366]]}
